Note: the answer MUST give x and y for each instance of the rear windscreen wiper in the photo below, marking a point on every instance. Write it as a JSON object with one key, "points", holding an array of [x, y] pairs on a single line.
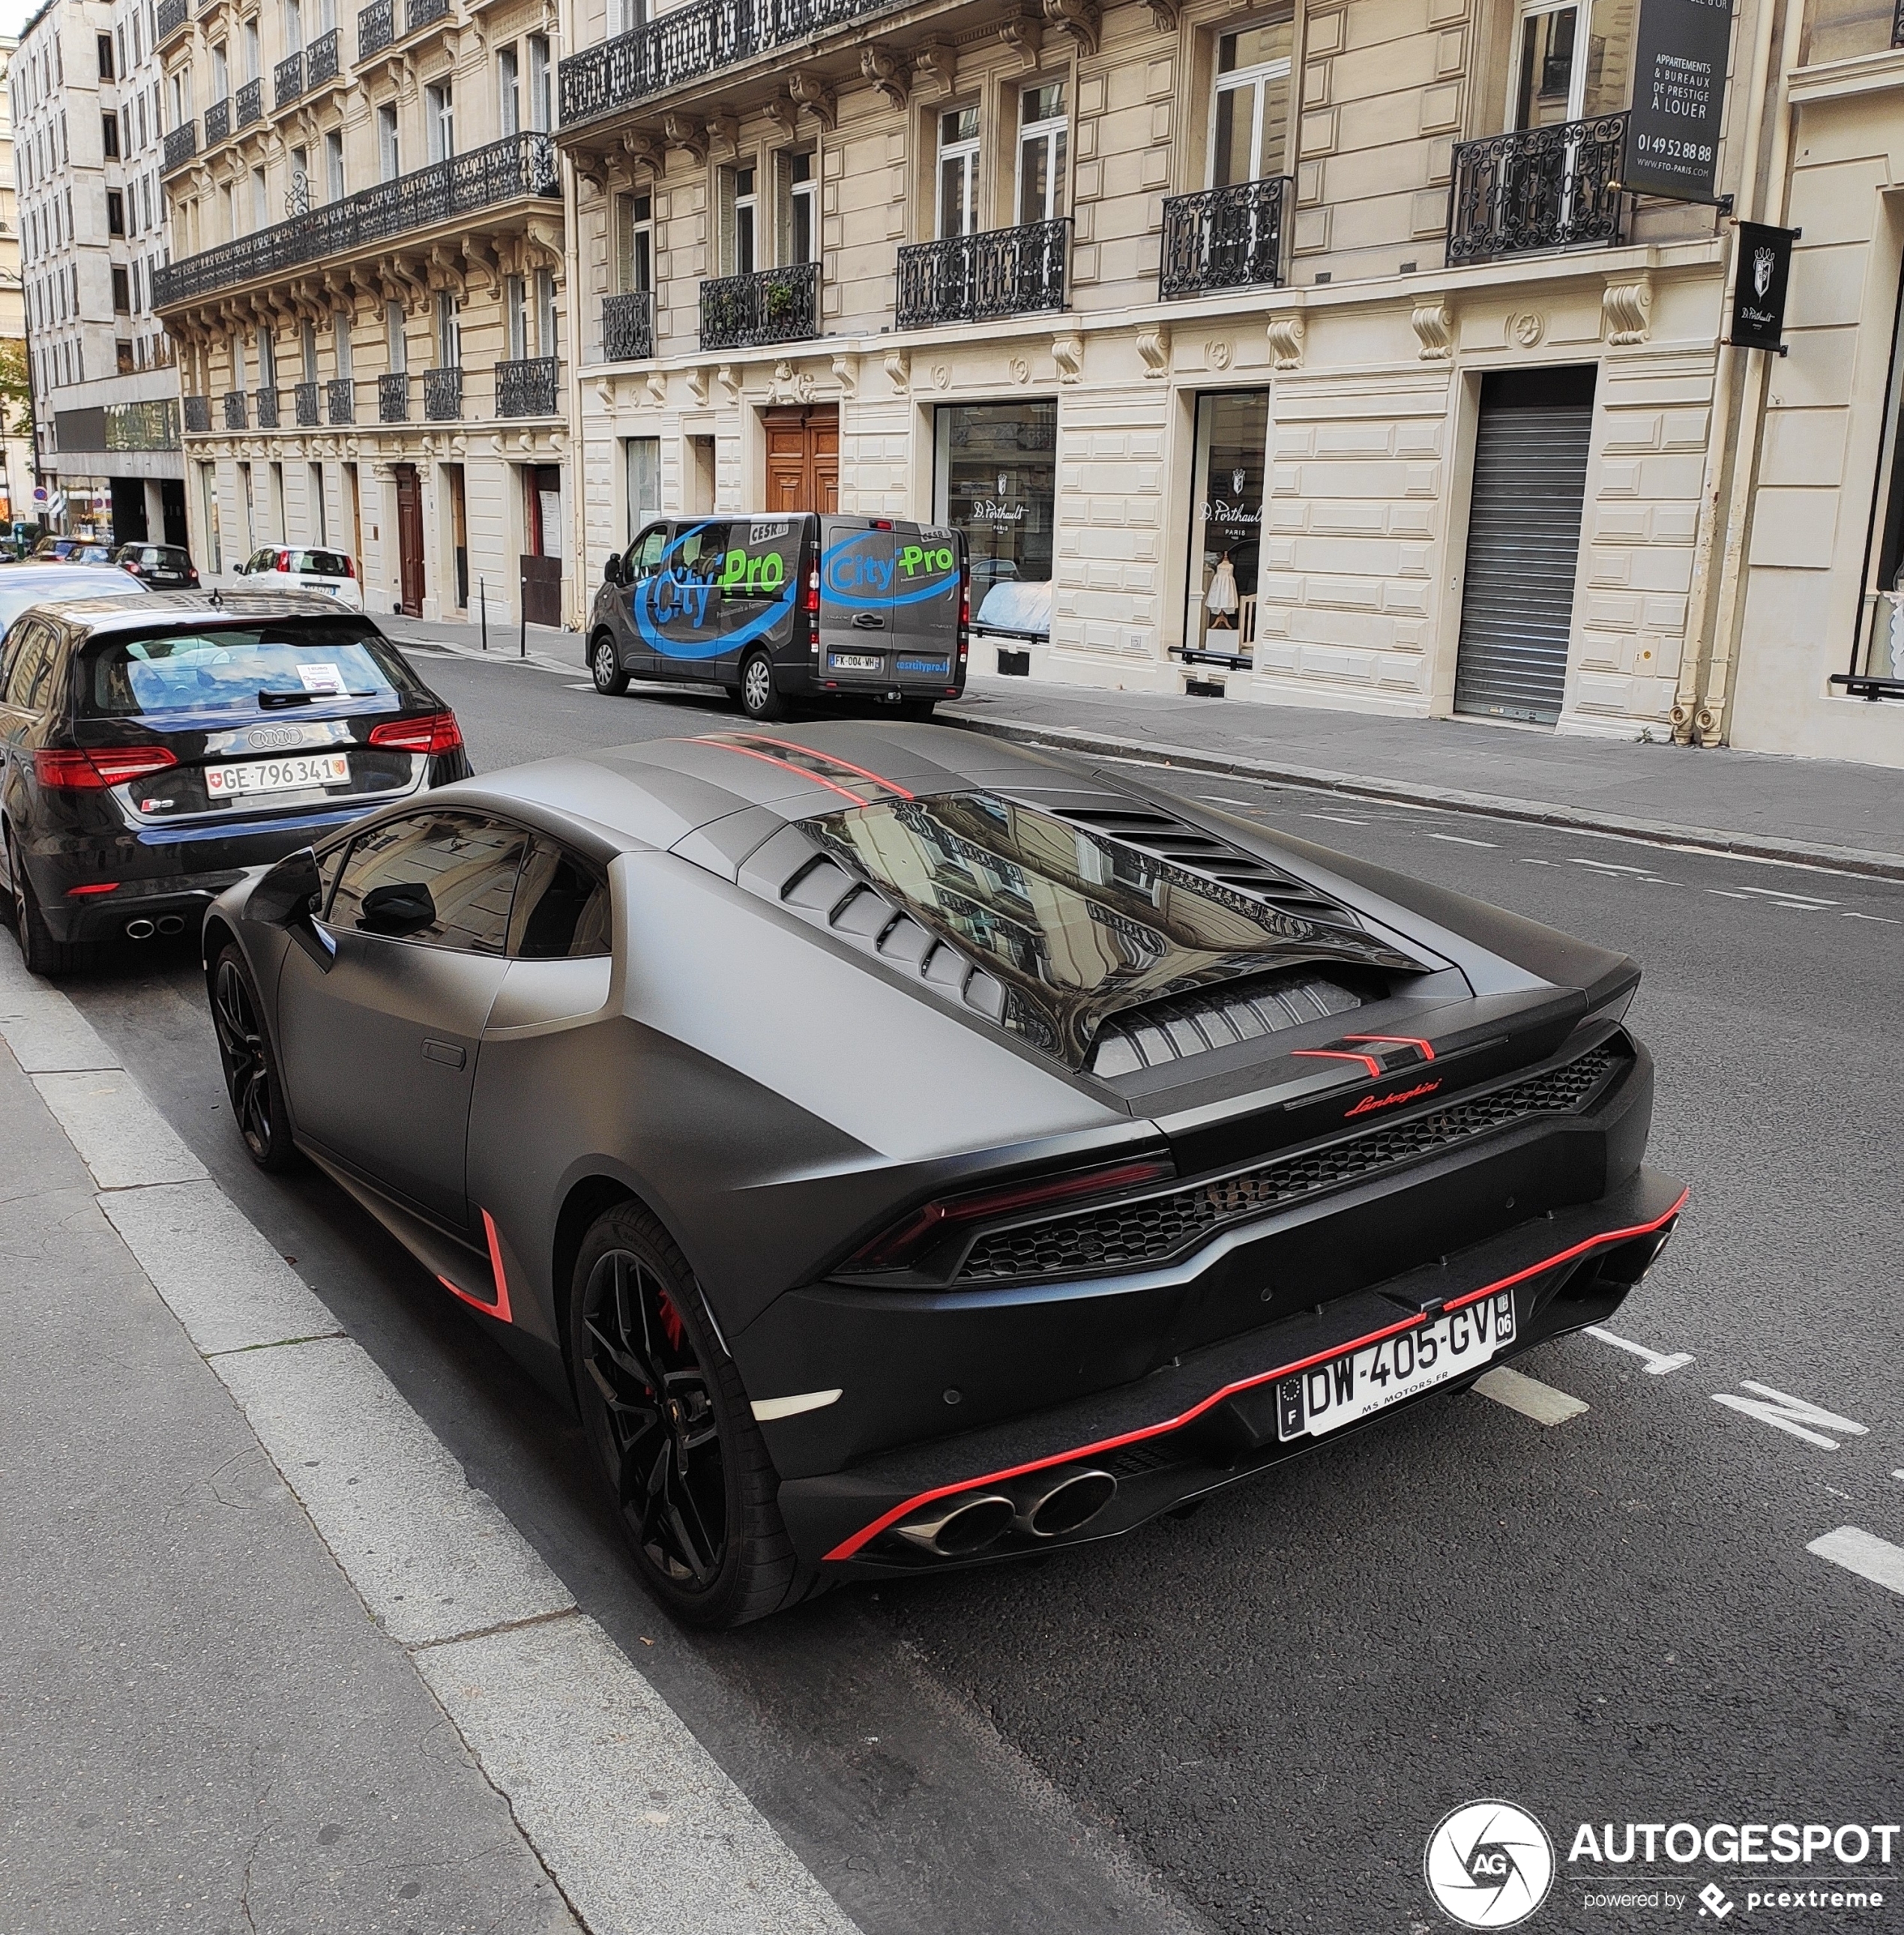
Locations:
{"points": [[269, 699]]}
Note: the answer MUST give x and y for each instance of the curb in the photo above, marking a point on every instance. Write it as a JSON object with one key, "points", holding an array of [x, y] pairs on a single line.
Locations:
{"points": [[1755, 846]]}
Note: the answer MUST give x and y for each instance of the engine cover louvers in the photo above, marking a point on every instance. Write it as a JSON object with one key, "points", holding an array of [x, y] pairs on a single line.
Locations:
{"points": [[1211, 1017]]}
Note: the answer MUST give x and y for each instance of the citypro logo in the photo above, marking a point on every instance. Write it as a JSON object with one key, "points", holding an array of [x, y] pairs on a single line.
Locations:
{"points": [[868, 569], [1489, 1864]]}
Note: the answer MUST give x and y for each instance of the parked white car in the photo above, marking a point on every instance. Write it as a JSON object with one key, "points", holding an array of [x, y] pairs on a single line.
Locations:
{"points": [[301, 568]]}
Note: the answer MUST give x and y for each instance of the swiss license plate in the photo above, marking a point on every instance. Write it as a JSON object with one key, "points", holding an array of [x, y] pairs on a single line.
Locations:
{"points": [[855, 661], [1341, 1389], [927, 668], [285, 775]]}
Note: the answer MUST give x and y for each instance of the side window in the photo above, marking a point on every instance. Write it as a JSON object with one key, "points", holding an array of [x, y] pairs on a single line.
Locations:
{"points": [[644, 553], [446, 880], [31, 664], [562, 909], [701, 548], [330, 863], [761, 559]]}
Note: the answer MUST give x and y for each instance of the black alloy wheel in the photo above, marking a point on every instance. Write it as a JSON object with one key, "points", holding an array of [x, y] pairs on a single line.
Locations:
{"points": [[758, 700], [251, 1068], [41, 951], [604, 667], [671, 1428]]}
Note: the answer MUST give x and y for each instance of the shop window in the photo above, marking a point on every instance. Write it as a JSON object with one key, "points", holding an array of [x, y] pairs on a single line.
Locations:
{"points": [[1226, 532], [959, 172], [1043, 136], [1250, 126], [995, 477]]}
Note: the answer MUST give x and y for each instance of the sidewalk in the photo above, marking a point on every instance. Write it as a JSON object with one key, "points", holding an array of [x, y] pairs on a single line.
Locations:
{"points": [[1819, 810]]}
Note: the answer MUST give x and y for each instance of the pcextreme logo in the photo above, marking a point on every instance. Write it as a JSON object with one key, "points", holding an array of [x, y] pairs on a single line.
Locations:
{"points": [[1489, 1864]]}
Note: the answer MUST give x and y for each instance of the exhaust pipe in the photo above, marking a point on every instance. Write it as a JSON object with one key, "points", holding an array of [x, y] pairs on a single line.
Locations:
{"points": [[1063, 1501], [962, 1526], [140, 930], [171, 923]]}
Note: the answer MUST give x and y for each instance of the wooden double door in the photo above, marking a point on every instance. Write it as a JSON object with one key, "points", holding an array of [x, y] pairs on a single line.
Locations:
{"points": [[409, 540], [802, 457]]}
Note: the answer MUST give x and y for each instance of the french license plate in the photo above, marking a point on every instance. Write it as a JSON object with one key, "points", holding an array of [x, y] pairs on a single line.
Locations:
{"points": [[855, 661], [318, 584], [1359, 1382], [286, 775], [927, 668]]}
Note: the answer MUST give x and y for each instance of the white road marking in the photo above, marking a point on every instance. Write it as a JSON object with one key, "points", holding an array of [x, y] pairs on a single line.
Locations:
{"points": [[766, 1409], [1787, 894], [1457, 839], [1526, 862], [1528, 1395], [587, 685], [1340, 819], [1607, 866], [1846, 914], [1657, 1364], [1725, 894], [1864, 1553], [1784, 1412], [1898, 1474]]}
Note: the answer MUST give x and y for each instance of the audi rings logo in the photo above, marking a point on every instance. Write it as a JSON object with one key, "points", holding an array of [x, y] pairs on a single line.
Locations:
{"points": [[267, 738], [1489, 1864]]}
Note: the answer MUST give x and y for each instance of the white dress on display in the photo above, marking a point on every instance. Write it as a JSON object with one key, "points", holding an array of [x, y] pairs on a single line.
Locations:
{"points": [[1220, 601]]}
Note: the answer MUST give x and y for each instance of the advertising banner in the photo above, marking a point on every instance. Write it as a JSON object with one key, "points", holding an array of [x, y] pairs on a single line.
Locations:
{"points": [[1678, 98], [1758, 291]]}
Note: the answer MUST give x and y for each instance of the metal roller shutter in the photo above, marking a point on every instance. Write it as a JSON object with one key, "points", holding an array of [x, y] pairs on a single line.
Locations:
{"points": [[1523, 542]]}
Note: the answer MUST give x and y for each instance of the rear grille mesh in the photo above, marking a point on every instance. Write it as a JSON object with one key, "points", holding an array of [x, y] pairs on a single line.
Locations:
{"points": [[1124, 1235]]}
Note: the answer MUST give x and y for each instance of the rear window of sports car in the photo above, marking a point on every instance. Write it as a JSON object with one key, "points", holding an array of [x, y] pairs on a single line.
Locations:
{"points": [[1076, 924], [324, 666]]}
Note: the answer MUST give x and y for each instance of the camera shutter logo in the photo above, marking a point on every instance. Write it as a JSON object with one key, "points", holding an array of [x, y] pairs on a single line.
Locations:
{"points": [[1762, 261], [1489, 1864]]}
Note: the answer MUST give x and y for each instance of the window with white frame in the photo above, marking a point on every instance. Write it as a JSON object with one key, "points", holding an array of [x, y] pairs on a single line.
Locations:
{"points": [[439, 119], [333, 165], [396, 347], [1044, 131], [545, 314], [742, 223], [959, 172], [261, 200], [803, 208], [636, 268], [253, 67], [389, 160], [515, 317], [449, 333], [1249, 124], [541, 99], [1572, 60], [220, 73], [340, 343], [293, 26], [509, 88]]}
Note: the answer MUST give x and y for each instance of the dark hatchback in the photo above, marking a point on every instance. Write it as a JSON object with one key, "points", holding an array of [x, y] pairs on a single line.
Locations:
{"points": [[159, 567], [154, 746]]}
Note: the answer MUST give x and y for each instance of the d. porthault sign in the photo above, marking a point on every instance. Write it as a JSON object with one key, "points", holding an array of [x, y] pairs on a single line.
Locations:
{"points": [[1678, 98], [1758, 291]]}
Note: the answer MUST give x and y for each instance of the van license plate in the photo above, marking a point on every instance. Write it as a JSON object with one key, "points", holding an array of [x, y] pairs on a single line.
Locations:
{"points": [[855, 661], [926, 668], [310, 769]]}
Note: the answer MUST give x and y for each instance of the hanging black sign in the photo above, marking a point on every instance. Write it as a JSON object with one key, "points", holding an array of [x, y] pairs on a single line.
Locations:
{"points": [[1678, 98], [1758, 290]]}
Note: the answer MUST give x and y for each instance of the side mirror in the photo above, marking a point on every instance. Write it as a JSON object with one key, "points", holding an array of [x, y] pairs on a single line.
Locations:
{"points": [[611, 571], [399, 907], [288, 895]]}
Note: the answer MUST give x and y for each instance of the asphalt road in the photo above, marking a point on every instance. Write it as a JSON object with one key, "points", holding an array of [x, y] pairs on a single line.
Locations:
{"points": [[1251, 1718]]}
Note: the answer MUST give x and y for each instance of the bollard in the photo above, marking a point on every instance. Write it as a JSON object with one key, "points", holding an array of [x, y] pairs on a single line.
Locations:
{"points": [[482, 598]]}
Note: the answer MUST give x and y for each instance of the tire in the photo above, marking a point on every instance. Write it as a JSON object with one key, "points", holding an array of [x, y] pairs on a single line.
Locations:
{"points": [[668, 1420], [38, 948], [758, 700], [250, 1066], [918, 710], [604, 667]]}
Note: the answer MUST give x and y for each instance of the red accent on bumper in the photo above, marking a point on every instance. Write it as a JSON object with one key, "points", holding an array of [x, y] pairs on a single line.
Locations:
{"points": [[499, 1309], [1606, 1240]]}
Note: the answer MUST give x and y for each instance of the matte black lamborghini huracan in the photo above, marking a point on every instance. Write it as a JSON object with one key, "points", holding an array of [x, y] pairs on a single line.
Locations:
{"points": [[912, 1150]]}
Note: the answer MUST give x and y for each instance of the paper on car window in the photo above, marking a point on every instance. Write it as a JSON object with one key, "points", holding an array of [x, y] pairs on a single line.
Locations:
{"points": [[326, 679]]}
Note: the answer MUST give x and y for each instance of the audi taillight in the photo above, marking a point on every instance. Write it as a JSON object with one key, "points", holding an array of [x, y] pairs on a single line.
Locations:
{"points": [[920, 1230], [433, 732], [103, 766]]}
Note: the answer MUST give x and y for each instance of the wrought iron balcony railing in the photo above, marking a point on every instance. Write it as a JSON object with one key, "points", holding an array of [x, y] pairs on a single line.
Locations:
{"points": [[234, 409], [974, 278], [689, 42], [267, 410], [341, 394], [288, 80], [305, 401], [627, 327], [322, 61], [419, 12], [173, 14], [250, 103], [442, 394], [218, 121], [376, 28], [1537, 188], [526, 388], [772, 305], [198, 414], [1226, 238], [181, 144], [393, 397], [520, 166]]}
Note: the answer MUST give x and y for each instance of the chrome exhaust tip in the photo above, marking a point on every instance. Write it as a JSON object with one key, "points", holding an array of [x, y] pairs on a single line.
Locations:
{"points": [[962, 1525], [1063, 1501], [171, 923], [141, 929]]}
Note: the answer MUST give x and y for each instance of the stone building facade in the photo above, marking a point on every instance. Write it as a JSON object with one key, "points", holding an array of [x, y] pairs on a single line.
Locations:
{"points": [[369, 290]]}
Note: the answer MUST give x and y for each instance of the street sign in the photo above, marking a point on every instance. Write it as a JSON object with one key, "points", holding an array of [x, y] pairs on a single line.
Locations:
{"points": [[39, 493], [1758, 289], [1678, 98]]}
